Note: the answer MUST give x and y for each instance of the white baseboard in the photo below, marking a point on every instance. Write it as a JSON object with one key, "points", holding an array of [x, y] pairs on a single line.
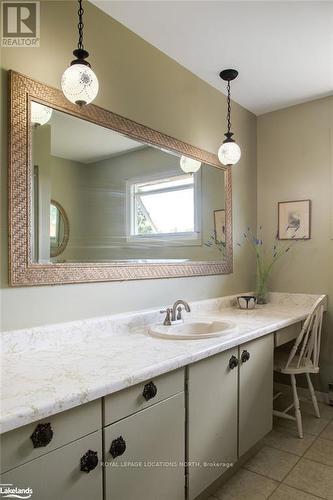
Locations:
{"points": [[303, 392]]}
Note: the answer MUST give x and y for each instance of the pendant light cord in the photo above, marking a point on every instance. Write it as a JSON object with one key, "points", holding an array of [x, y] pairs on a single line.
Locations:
{"points": [[80, 25], [229, 107]]}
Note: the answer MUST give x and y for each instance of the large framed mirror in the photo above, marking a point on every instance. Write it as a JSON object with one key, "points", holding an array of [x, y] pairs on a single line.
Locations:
{"points": [[139, 204]]}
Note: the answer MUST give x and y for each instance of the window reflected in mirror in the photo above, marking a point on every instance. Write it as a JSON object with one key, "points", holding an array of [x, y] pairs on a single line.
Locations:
{"points": [[164, 208], [125, 201]]}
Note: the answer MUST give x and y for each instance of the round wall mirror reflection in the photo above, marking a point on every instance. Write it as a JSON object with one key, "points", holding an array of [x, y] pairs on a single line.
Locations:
{"points": [[59, 229]]}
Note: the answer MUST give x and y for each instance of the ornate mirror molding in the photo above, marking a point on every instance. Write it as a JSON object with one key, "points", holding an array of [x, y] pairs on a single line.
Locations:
{"points": [[23, 270]]}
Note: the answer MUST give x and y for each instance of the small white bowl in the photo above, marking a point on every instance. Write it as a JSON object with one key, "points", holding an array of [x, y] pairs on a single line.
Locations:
{"points": [[247, 301]]}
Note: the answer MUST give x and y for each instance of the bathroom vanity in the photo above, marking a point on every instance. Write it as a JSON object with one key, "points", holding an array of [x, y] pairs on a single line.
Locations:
{"points": [[109, 411], [122, 407]]}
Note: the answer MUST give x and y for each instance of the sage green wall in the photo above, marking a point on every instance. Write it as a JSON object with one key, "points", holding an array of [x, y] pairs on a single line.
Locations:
{"points": [[294, 163], [68, 187], [139, 82]]}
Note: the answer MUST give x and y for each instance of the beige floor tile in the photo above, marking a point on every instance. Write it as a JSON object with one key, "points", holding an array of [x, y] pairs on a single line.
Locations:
{"points": [[312, 477], [328, 432], [285, 440], [284, 492], [272, 463], [326, 411], [311, 425], [246, 484], [321, 451]]}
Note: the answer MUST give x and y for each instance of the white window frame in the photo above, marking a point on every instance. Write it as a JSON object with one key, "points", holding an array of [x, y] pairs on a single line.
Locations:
{"points": [[167, 239]]}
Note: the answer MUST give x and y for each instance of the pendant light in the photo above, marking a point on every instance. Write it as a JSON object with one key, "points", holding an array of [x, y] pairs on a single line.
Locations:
{"points": [[79, 83], [229, 152], [40, 114], [189, 165]]}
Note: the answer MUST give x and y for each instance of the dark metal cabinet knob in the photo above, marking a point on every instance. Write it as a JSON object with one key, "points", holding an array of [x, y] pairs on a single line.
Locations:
{"points": [[42, 435], [118, 447], [149, 391], [233, 362], [245, 356], [89, 461]]}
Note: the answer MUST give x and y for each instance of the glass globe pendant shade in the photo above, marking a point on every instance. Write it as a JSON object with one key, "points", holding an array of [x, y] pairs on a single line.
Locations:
{"points": [[229, 153], [40, 114], [188, 165], [79, 84]]}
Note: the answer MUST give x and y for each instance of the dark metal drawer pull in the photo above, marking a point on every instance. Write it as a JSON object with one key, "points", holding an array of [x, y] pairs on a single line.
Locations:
{"points": [[245, 356], [89, 461], [149, 391], [118, 447], [42, 435], [233, 362]]}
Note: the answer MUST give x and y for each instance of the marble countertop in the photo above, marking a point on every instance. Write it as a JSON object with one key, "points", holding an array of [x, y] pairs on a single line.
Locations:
{"points": [[50, 369]]}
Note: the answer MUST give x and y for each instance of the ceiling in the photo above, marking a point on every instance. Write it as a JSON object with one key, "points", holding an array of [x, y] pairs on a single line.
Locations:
{"points": [[283, 50], [82, 141]]}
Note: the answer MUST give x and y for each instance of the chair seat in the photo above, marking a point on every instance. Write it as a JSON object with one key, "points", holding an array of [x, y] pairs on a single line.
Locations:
{"points": [[280, 361]]}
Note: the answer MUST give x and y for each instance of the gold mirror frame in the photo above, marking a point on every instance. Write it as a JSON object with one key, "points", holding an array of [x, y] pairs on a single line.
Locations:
{"points": [[22, 270], [58, 250]]}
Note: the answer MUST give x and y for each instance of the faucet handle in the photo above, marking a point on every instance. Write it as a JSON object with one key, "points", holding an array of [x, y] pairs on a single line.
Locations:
{"points": [[179, 313], [167, 320]]}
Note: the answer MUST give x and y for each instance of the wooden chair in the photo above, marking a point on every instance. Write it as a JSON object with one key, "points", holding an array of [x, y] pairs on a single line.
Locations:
{"points": [[303, 359]]}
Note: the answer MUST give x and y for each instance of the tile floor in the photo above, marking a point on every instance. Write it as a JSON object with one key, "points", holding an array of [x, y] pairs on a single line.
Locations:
{"points": [[286, 467]]}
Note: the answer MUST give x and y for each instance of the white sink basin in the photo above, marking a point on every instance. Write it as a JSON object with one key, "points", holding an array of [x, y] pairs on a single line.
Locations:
{"points": [[193, 330]]}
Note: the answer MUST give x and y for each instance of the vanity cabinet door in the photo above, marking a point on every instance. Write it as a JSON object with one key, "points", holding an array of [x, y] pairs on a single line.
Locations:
{"points": [[58, 475], [145, 454], [212, 419], [255, 391]]}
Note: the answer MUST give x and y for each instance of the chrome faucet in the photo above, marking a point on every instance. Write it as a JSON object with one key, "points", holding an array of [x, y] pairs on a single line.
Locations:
{"points": [[178, 307], [174, 313]]}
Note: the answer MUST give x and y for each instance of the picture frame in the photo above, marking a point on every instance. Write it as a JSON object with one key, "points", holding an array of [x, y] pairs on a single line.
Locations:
{"points": [[219, 225], [294, 220]]}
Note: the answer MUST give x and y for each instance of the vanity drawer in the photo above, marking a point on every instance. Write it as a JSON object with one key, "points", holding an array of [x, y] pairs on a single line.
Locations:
{"points": [[287, 334], [17, 446], [136, 447], [131, 400], [58, 475]]}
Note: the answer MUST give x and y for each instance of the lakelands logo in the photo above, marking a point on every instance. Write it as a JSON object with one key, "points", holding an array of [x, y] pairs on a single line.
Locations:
{"points": [[8, 491], [20, 24]]}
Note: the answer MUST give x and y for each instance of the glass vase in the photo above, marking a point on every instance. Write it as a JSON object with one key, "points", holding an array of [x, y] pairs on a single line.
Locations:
{"points": [[262, 291]]}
